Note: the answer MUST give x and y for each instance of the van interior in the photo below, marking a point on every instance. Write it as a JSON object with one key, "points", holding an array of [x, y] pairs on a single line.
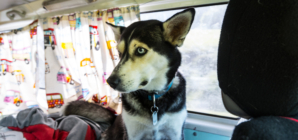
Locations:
{"points": [[239, 60]]}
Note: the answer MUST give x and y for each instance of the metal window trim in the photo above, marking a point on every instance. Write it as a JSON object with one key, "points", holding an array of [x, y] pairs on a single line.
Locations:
{"points": [[211, 124], [162, 5]]}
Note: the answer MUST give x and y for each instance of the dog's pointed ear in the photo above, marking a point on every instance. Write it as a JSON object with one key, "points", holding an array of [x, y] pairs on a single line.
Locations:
{"points": [[177, 27], [118, 30]]}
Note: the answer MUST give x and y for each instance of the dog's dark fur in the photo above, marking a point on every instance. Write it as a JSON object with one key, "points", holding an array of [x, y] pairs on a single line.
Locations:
{"points": [[106, 118], [165, 104], [136, 120]]}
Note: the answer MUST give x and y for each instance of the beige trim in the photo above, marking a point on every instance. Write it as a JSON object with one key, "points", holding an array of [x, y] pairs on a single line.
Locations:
{"points": [[34, 10], [170, 4]]}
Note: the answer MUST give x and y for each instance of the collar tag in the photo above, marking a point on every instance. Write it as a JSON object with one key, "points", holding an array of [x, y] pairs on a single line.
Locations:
{"points": [[154, 110]]}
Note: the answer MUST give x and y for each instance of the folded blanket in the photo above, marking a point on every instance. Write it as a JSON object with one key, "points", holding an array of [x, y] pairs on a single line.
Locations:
{"points": [[33, 124]]}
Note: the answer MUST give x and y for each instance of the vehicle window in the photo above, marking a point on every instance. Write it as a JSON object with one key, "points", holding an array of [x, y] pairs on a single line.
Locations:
{"points": [[49, 97], [199, 58], [56, 97], [9, 93]]}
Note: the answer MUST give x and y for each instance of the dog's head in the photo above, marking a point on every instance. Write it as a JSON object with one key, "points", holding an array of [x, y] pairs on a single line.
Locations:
{"points": [[149, 54]]}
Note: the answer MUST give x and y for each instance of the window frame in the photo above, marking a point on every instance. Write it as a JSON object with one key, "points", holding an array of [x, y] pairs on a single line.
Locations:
{"points": [[218, 125], [184, 7], [194, 114]]}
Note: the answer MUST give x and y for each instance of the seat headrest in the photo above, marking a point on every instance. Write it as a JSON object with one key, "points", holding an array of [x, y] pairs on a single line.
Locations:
{"points": [[258, 56]]}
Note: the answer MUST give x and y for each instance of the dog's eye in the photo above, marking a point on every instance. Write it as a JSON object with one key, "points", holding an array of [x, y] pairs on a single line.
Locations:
{"points": [[140, 51]]}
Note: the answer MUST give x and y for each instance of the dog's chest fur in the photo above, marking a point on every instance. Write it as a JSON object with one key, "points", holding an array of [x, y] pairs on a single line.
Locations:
{"points": [[168, 127], [172, 113]]}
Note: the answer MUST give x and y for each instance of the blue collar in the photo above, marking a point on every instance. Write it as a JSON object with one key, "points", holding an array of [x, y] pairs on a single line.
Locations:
{"points": [[158, 95]]}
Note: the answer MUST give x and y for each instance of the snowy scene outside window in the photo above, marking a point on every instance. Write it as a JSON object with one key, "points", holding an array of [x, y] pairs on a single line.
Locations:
{"points": [[199, 58]]}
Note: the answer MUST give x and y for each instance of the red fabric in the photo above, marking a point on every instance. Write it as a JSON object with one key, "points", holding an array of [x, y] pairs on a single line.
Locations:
{"points": [[60, 135], [291, 119], [26, 135], [41, 132], [90, 134]]}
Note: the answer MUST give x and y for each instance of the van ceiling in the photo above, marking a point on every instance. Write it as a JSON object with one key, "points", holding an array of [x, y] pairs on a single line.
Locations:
{"points": [[5, 4]]}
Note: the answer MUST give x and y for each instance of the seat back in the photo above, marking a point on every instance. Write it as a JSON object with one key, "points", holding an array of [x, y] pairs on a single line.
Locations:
{"points": [[258, 58]]}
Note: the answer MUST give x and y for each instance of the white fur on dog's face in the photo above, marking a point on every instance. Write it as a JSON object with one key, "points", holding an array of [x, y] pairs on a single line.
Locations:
{"points": [[149, 71], [151, 67]]}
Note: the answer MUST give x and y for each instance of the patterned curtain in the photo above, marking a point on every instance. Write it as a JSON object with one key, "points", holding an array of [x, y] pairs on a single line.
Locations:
{"points": [[70, 56], [80, 54], [18, 52]]}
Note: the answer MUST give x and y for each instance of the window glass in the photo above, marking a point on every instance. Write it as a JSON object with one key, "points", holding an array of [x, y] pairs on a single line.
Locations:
{"points": [[199, 58]]}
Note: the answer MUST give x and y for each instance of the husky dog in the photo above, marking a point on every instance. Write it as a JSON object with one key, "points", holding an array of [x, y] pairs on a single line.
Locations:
{"points": [[153, 91]]}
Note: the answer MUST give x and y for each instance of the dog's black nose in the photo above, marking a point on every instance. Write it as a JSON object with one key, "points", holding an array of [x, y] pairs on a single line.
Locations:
{"points": [[113, 81]]}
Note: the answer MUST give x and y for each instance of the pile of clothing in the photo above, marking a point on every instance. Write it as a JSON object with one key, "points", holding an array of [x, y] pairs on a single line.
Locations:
{"points": [[34, 124]]}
